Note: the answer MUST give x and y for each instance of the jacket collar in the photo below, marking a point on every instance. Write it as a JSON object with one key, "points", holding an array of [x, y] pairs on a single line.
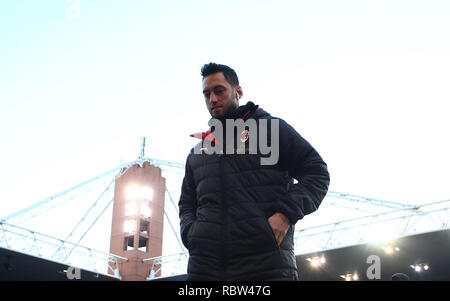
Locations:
{"points": [[242, 112]]}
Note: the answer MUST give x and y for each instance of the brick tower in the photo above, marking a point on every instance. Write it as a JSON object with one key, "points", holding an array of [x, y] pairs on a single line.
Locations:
{"points": [[137, 221]]}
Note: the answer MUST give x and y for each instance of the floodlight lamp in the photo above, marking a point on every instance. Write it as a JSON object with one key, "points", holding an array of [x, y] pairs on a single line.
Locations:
{"points": [[380, 236], [146, 193], [146, 212], [132, 192], [130, 209], [129, 226], [350, 277], [316, 261]]}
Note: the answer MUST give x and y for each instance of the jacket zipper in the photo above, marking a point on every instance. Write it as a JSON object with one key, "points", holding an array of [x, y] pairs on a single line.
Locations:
{"points": [[224, 203], [224, 211]]}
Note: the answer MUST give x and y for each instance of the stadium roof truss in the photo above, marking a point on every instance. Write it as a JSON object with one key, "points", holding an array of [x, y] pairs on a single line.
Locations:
{"points": [[376, 220]]}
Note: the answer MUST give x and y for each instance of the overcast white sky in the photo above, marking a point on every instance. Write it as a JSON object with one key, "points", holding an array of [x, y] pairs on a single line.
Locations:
{"points": [[365, 82]]}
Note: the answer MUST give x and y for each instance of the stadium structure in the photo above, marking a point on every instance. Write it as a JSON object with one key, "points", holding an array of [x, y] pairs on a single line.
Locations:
{"points": [[362, 238]]}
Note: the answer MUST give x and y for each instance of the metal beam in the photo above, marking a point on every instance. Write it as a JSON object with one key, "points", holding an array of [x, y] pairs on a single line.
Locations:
{"points": [[58, 199], [41, 245], [366, 200], [329, 236]]}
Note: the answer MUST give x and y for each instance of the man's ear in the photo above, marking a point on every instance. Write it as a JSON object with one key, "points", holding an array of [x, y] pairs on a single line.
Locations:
{"points": [[239, 92]]}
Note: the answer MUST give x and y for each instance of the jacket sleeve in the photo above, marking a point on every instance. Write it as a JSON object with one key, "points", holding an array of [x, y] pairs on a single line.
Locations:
{"points": [[187, 204], [305, 165]]}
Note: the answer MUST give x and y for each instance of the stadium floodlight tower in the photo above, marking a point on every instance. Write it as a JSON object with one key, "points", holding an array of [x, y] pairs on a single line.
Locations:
{"points": [[138, 217]]}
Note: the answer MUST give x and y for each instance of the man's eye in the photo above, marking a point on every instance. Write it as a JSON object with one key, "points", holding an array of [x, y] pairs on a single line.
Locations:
{"points": [[218, 91]]}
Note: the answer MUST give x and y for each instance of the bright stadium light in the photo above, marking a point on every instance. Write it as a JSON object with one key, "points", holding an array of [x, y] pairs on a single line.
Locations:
{"points": [[146, 211], [146, 193], [316, 261], [132, 192], [129, 226], [350, 277], [391, 250], [130, 209], [379, 236], [420, 267]]}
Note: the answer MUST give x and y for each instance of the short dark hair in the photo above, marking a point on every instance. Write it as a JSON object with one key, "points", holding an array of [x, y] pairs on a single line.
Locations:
{"points": [[230, 74]]}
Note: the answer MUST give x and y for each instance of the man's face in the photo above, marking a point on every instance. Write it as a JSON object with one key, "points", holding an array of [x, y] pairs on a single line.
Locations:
{"points": [[220, 97]]}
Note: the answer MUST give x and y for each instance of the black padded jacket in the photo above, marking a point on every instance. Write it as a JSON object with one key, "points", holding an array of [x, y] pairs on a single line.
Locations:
{"points": [[226, 200]]}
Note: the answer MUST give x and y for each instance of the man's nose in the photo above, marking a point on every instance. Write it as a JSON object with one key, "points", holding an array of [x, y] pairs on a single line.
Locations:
{"points": [[213, 98]]}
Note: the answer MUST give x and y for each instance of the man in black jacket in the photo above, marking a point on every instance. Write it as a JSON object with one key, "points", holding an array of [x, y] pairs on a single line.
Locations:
{"points": [[238, 212]]}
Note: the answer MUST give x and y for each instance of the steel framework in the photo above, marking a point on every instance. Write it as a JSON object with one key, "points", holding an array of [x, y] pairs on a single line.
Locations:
{"points": [[379, 217], [69, 250], [41, 245], [376, 228]]}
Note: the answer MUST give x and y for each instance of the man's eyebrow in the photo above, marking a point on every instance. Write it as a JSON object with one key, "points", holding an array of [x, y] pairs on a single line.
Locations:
{"points": [[214, 87]]}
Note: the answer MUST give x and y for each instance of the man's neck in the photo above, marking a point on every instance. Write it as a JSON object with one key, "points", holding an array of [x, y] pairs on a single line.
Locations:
{"points": [[235, 113]]}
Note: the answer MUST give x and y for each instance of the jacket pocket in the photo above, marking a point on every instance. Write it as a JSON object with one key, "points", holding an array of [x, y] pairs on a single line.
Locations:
{"points": [[271, 234], [189, 234]]}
